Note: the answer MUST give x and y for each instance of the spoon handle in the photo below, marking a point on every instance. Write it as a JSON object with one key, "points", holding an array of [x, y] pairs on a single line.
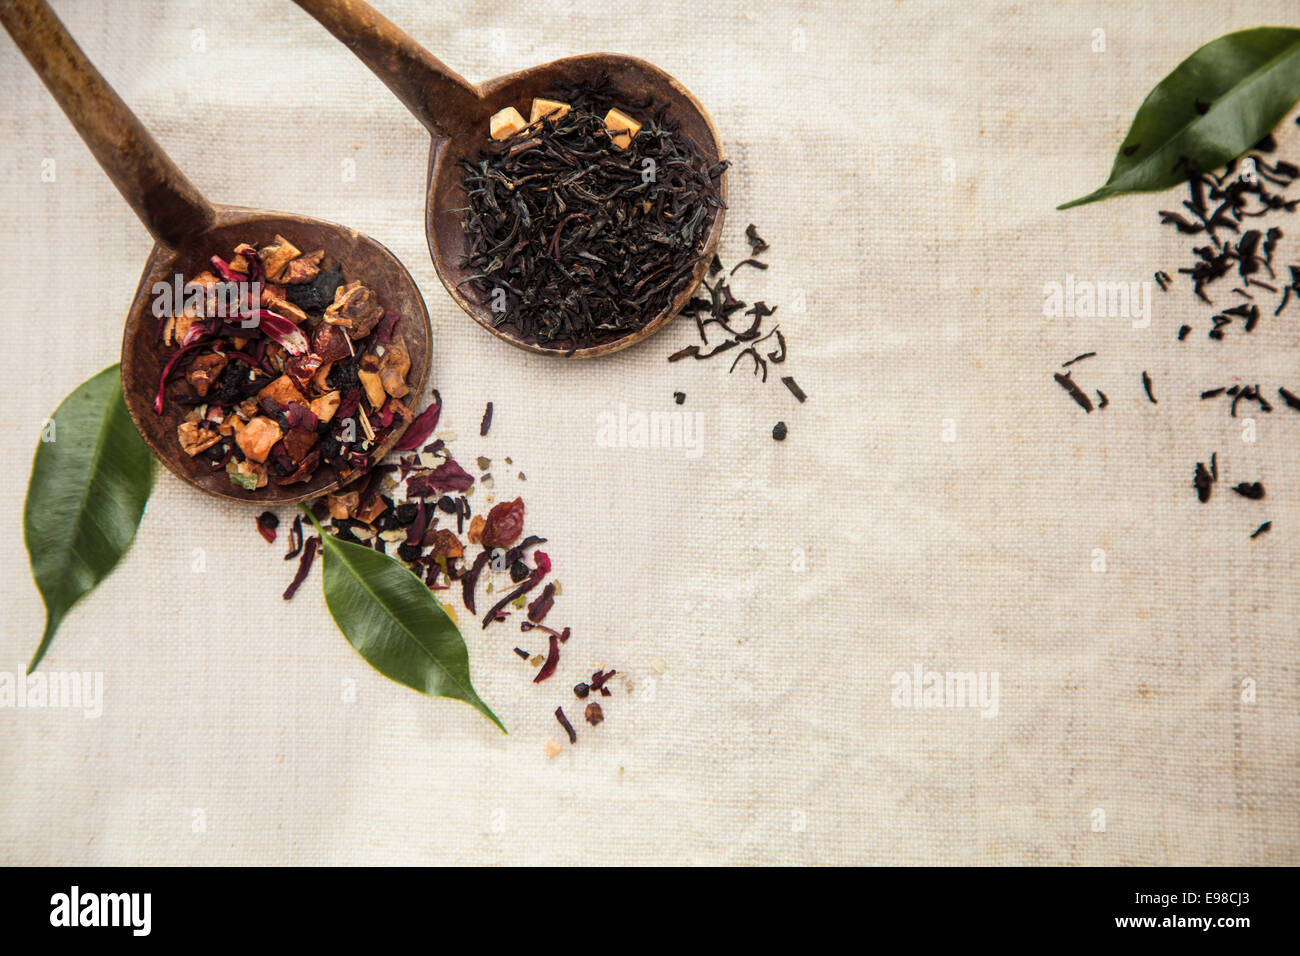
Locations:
{"points": [[437, 95], [166, 202]]}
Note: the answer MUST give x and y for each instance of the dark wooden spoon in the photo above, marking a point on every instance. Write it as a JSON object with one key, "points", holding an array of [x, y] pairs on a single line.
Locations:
{"points": [[187, 229], [456, 113]]}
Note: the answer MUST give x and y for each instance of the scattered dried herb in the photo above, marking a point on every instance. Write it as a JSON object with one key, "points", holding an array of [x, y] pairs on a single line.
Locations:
{"points": [[295, 539], [1146, 386], [1252, 490], [718, 308], [542, 605], [304, 567], [1067, 382], [568, 727], [552, 659]]}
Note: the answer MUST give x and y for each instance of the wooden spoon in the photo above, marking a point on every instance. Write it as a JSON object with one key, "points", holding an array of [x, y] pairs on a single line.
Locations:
{"points": [[456, 113], [187, 229]]}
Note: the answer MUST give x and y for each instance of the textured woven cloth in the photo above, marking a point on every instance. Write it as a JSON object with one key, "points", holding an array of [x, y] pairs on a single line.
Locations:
{"points": [[940, 504]]}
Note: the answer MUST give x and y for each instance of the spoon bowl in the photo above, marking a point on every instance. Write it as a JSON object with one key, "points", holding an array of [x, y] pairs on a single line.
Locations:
{"points": [[187, 230], [457, 116], [142, 360]]}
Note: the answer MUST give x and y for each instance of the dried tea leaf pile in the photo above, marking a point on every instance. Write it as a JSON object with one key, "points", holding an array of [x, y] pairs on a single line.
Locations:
{"points": [[578, 234]]}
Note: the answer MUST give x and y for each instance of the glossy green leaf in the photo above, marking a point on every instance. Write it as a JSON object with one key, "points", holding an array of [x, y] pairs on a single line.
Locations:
{"points": [[90, 480], [394, 622], [1246, 82]]}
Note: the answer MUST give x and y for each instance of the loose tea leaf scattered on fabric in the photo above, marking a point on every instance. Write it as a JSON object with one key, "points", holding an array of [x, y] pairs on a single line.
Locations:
{"points": [[1239, 275], [752, 342]]}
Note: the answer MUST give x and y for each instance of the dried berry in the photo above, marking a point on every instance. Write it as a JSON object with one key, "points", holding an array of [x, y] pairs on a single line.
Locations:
{"points": [[316, 296], [267, 522], [505, 524]]}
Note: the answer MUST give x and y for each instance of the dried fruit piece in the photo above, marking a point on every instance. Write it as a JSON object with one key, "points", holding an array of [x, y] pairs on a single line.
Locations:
{"points": [[446, 545], [342, 504], [476, 529], [621, 128], [194, 438], [505, 123], [544, 107], [393, 366], [504, 525], [256, 438], [278, 255], [355, 308], [205, 370], [325, 405], [368, 374]]}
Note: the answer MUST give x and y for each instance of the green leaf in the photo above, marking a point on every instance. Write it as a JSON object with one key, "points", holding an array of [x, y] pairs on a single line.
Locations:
{"points": [[1248, 80], [90, 480], [394, 622]]}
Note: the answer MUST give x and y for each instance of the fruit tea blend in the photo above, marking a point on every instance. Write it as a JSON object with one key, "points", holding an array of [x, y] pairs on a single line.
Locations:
{"points": [[286, 364]]}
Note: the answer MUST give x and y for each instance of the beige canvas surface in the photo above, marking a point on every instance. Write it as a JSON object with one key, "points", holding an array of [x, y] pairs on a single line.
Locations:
{"points": [[939, 503]]}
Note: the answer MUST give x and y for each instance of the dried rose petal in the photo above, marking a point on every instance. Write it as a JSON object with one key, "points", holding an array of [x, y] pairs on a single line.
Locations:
{"points": [[552, 660], [448, 476], [539, 608], [422, 426]]}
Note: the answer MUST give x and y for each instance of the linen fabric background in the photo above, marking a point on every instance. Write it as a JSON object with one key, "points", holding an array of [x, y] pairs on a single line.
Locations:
{"points": [[940, 502]]}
